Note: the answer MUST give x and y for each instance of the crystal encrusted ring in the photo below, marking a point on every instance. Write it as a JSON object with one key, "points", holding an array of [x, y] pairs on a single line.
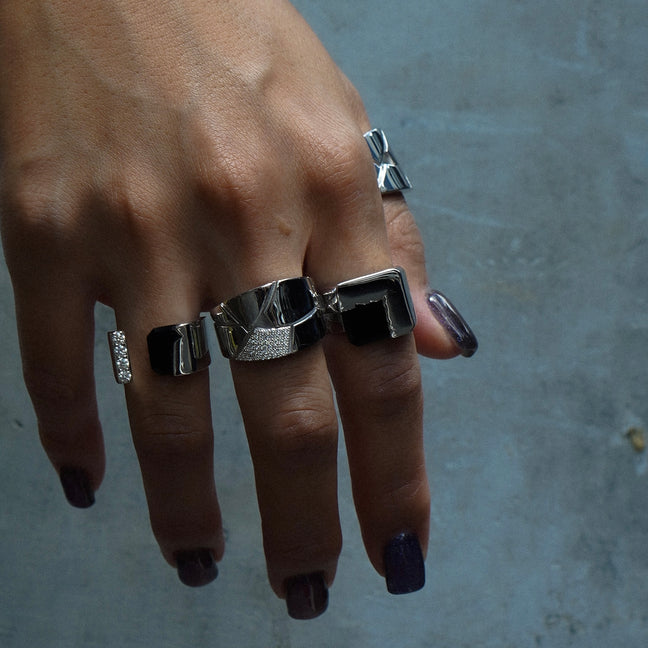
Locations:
{"points": [[271, 321], [120, 358]]}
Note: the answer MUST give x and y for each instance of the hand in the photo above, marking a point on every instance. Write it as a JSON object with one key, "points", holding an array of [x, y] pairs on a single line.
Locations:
{"points": [[161, 157]]}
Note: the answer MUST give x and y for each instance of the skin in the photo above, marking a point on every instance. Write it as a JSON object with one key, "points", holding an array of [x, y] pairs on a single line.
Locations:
{"points": [[156, 156]]}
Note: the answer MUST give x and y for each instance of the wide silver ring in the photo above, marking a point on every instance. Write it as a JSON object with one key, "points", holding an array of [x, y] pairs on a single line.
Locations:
{"points": [[179, 349], [372, 307], [391, 178], [271, 321]]}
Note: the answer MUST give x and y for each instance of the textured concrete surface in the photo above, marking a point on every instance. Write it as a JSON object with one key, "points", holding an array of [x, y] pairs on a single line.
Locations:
{"points": [[524, 126]]}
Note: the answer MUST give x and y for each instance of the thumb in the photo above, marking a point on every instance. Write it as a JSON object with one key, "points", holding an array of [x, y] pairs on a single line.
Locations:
{"points": [[440, 332]]}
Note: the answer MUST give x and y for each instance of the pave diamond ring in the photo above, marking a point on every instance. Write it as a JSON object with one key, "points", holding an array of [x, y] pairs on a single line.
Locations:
{"points": [[120, 357], [271, 321], [277, 320]]}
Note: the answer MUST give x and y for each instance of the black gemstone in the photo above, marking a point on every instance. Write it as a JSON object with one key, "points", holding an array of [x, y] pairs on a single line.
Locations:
{"points": [[309, 331], [366, 323], [295, 299], [161, 343]]}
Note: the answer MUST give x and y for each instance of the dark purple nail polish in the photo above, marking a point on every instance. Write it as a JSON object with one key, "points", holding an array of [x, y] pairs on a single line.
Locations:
{"points": [[404, 566], [306, 596], [76, 486], [448, 316], [196, 568]]}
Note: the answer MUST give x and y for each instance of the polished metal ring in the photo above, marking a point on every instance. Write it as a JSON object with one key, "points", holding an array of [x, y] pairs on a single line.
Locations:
{"points": [[271, 321], [391, 178], [372, 307], [120, 357], [179, 349]]}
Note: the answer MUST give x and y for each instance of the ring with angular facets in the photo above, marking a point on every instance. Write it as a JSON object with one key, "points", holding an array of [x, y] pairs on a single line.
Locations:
{"points": [[389, 174], [179, 349], [271, 321], [372, 307], [120, 358]]}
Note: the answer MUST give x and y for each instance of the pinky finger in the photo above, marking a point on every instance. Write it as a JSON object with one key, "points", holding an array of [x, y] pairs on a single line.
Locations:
{"points": [[57, 345]]}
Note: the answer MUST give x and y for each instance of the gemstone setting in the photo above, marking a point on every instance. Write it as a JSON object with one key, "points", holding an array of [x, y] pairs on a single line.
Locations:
{"points": [[120, 358]]}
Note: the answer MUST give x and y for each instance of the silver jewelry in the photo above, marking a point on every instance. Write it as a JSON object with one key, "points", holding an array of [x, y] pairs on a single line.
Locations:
{"points": [[391, 178], [120, 358], [179, 349], [372, 307], [271, 321]]}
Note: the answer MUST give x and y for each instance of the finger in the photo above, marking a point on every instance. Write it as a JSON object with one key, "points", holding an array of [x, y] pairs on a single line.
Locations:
{"points": [[291, 425], [440, 332], [287, 403], [170, 418], [57, 346], [378, 389], [380, 399]]}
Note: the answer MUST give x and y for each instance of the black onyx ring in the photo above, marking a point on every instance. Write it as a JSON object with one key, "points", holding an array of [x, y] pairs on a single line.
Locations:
{"points": [[372, 307], [271, 321], [179, 349]]}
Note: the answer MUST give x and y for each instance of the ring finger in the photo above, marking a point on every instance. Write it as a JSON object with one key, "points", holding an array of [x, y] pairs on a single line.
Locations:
{"points": [[171, 425]]}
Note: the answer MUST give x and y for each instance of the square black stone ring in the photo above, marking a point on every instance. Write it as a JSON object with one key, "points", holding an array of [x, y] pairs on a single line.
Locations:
{"points": [[179, 349], [372, 307]]}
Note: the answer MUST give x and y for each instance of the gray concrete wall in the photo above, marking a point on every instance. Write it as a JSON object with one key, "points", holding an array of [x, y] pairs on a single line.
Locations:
{"points": [[524, 126]]}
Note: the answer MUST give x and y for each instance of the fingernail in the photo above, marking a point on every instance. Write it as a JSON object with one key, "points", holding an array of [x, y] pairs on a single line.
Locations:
{"points": [[306, 596], [452, 321], [404, 566], [76, 486], [196, 568]]}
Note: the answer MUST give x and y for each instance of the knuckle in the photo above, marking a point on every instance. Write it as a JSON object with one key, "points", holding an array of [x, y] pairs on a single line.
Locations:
{"points": [[305, 435], [398, 377], [238, 185], [393, 384], [58, 399], [39, 203], [136, 203], [351, 98], [405, 238], [336, 168], [339, 157], [50, 391], [173, 430], [236, 178]]}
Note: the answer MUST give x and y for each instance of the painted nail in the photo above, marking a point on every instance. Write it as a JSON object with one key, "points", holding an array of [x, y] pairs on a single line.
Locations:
{"points": [[404, 566], [76, 486], [451, 320], [196, 568], [306, 596]]}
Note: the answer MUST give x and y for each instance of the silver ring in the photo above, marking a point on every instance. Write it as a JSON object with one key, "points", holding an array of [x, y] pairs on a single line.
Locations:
{"points": [[391, 178], [271, 321], [372, 307], [179, 349], [120, 357]]}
